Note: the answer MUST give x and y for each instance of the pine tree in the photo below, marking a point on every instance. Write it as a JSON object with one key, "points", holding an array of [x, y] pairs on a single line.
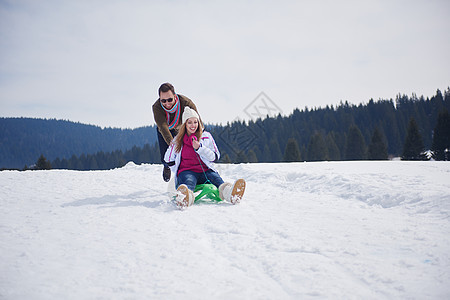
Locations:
{"points": [[79, 166], [332, 148], [266, 155], [56, 164], [441, 137], [413, 147], [276, 155], [292, 151], [251, 155], [42, 163], [226, 159], [355, 146], [92, 162], [64, 164], [303, 150], [241, 158], [377, 147], [72, 163], [258, 153], [317, 149]]}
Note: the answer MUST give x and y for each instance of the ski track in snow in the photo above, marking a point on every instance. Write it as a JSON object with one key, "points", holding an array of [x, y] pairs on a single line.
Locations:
{"points": [[345, 230]]}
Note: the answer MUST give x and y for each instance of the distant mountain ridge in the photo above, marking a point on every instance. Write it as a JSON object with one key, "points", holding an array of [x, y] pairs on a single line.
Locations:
{"points": [[23, 140], [332, 132]]}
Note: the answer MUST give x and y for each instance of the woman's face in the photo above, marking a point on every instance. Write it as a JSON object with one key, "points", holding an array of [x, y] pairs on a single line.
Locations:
{"points": [[191, 125]]}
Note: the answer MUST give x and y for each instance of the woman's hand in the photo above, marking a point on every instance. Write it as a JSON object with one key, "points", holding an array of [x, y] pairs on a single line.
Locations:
{"points": [[195, 143]]}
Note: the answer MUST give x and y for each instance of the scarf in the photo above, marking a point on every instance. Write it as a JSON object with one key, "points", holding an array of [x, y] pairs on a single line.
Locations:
{"points": [[175, 108], [190, 160]]}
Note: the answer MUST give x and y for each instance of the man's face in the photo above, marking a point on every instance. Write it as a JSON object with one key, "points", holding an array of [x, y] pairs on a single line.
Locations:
{"points": [[167, 96]]}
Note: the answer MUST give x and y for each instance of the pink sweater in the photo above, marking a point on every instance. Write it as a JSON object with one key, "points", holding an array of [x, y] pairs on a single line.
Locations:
{"points": [[189, 158]]}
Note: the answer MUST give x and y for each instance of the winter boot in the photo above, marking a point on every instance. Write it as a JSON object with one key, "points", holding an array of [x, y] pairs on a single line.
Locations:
{"points": [[185, 197], [232, 193]]}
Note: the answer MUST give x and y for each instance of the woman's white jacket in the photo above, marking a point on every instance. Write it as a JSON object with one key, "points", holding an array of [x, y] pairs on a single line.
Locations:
{"points": [[208, 153]]}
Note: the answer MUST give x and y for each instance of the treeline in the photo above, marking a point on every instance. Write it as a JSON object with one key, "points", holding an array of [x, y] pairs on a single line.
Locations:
{"points": [[98, 161], [380, 129], [109, 160], [22, 140], [345, 132]]}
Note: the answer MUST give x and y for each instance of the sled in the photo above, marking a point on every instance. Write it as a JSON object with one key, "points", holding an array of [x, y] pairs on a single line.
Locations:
{"points": [[203, 192], [206, 191]]}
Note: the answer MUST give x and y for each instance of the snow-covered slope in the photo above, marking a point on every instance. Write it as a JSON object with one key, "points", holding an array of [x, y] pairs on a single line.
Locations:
{"points": [[362, 230]]}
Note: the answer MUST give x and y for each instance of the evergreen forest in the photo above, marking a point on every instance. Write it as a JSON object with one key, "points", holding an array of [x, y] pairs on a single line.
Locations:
{"points": [[376, 130], [410, 127], [23, 140]]}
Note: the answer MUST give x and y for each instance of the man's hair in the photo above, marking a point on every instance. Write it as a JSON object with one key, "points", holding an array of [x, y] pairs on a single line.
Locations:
{"points": [[165, 87]]}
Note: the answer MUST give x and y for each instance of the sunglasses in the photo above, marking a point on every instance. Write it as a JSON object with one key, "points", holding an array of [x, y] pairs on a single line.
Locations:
{"points": [[166, 100]]}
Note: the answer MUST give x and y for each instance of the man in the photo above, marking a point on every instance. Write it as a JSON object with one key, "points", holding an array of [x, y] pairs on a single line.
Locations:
{"points": [[167, 111]]}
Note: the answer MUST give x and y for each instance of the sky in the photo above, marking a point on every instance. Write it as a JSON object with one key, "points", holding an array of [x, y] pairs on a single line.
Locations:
{"points": [[101, 62]]}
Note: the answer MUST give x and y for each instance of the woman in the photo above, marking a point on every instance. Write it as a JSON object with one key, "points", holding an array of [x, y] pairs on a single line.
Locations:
{"points": [[191, 157]]}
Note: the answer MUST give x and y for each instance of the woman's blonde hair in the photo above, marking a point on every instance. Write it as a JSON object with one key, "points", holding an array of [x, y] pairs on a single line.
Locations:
{"points": [[178, 140]]}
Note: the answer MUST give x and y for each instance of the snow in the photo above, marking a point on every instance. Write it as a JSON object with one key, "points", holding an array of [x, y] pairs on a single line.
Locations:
{"points": [[353, 230]]}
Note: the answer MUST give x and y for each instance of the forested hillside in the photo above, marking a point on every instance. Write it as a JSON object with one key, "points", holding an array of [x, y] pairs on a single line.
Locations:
{"points": [[23, 140], [374, 130], [326, 133]]}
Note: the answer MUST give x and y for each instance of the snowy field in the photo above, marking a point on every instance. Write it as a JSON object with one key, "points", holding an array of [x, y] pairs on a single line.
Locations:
{"points": [[334, 230]]}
